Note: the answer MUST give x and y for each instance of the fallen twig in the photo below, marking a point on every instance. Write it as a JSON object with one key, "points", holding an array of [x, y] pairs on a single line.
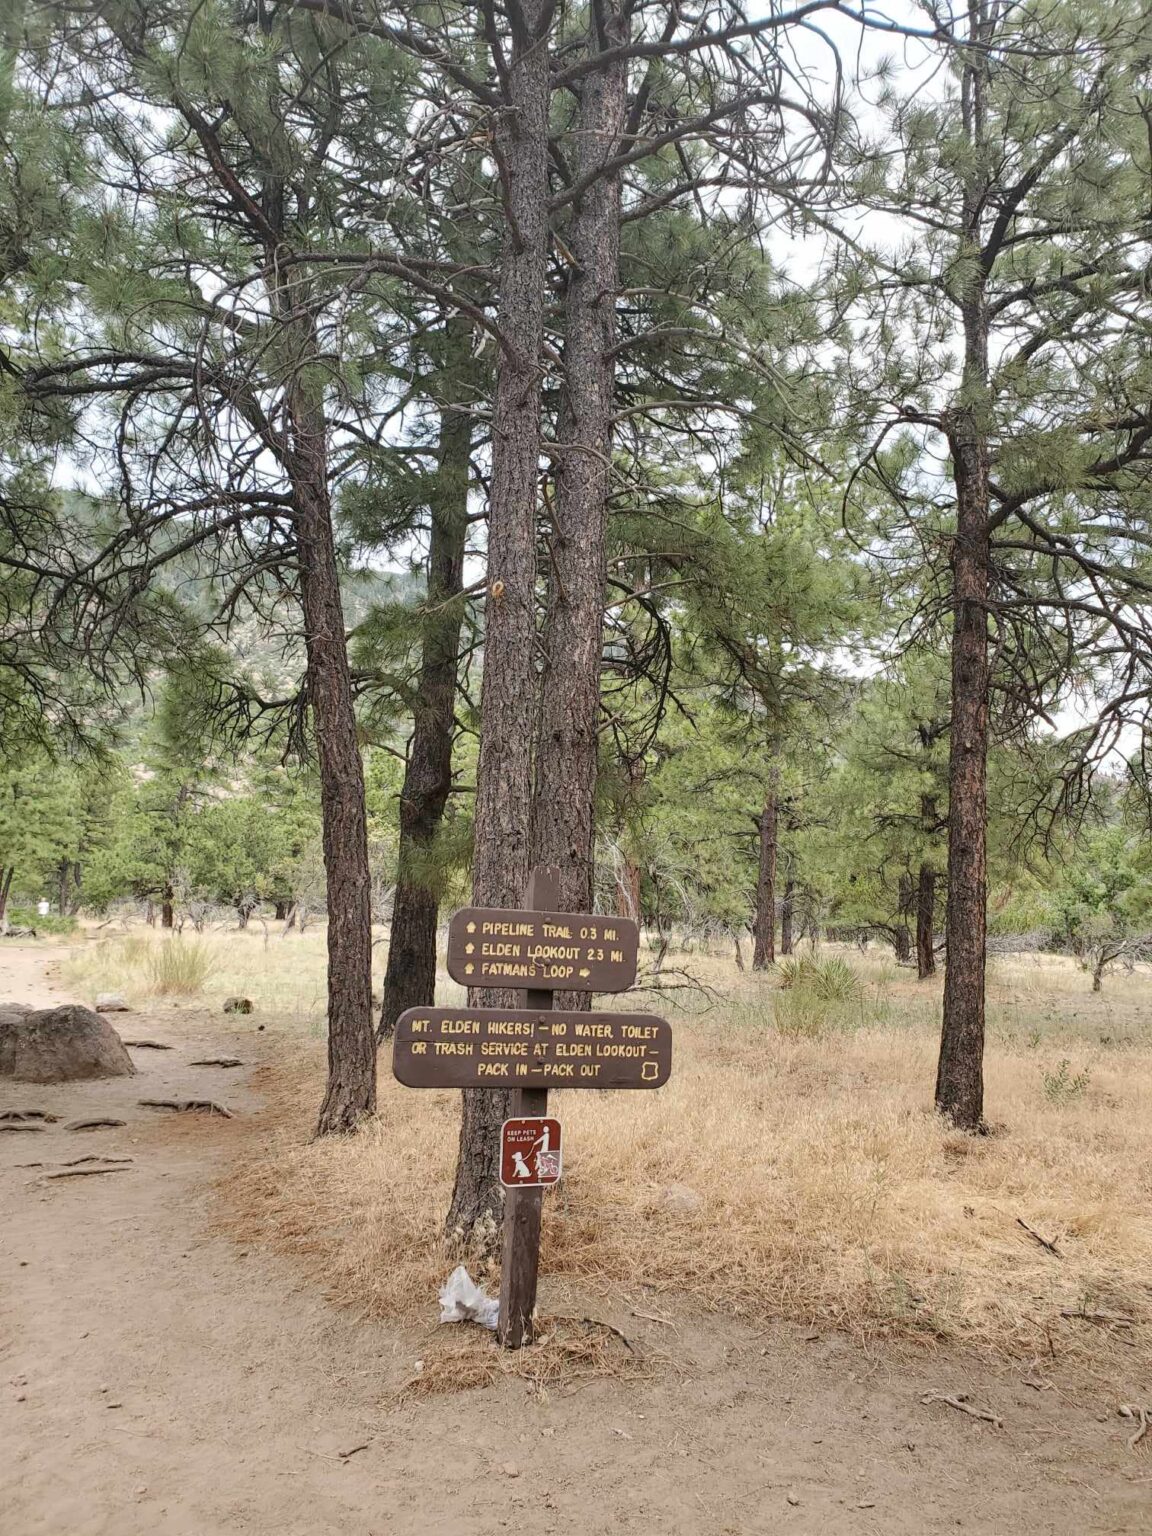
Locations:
{"points": [[593, 1322], [352, 1450], [94, 1125], [20, 1116], [14, 1129], [1043, 1241], [218, 1061], [1110, 1319], [1133, 1411], [147, 1045], [960, 1402], [209, 1106], [651, 1317]]}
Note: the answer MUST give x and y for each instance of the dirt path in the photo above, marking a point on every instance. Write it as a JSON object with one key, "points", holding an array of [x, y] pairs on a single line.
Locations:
{"points": [[156, 1380]]}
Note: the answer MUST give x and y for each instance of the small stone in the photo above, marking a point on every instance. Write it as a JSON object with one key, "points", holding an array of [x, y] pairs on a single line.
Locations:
{"points": [[792, 1499], [111, 1002], [141, 1490], [510, 1469], [113, 1405], [21, 1397]]}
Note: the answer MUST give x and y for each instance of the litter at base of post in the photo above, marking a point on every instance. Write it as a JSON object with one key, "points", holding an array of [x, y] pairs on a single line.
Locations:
{"points": [[462, 1301]]}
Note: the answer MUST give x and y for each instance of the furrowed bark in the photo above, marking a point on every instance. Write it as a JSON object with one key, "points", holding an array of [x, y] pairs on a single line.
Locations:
{"points": [[926, 899], [410, 977], [567, 755], [926, 922], [960, 1076], [503, 783], [764, 927], [351, 1090], [787, 907]]}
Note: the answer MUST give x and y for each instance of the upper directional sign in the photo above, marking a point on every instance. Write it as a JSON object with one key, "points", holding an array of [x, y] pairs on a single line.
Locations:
{"points": [[563, 951]]}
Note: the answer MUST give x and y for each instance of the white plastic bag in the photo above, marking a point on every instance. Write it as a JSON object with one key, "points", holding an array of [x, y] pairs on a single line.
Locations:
{"points": [[462, 1301]]}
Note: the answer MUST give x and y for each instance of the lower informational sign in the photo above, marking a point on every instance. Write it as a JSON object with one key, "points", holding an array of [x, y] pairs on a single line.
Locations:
{"points": [[522, 1048], [530, 1152]]}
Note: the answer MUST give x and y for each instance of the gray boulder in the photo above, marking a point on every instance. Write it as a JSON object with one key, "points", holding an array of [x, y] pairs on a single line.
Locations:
{"points": [[59, 1045]]}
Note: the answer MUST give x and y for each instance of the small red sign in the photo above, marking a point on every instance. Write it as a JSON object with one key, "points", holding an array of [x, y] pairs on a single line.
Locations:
{"points": [[530, 1152]]}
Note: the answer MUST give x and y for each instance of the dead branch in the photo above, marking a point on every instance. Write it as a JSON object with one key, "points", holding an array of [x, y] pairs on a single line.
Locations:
{"points": [[961, 1403]]}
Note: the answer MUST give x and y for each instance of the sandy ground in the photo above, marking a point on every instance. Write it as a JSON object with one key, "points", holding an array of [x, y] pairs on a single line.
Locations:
{"points": [[157, 1380]]}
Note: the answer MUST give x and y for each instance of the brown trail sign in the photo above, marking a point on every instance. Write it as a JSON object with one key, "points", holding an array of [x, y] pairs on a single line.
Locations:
{"points": [[562, 951], [524, 1048], [534, 1048]]}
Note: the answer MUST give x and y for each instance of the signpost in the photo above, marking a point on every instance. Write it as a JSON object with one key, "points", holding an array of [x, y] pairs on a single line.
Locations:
{"points": [[532, 1049]]}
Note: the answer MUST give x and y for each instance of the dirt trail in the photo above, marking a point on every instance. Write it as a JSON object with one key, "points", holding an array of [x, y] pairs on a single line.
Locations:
{"points": [[156, 1380]]}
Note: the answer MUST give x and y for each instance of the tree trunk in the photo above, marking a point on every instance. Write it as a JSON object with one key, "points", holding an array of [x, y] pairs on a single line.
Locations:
{"points": [[503, 779], [167, 908], [410, 977], [628, 889], [926, 923], [77, 888], [902, 945], [960, 1077], [6, 875], [764, 928], [786, 908], [567, 753], [351, 1090], [64, 893], [1098, 974]]}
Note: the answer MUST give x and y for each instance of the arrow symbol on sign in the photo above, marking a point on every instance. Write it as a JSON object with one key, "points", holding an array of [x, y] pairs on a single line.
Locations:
{"points": [[468, 969], [469, 949], [471, 927], [584, 971]]}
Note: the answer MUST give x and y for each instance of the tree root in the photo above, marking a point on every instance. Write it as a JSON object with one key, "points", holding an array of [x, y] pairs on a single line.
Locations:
{"points": [[81, 1173], [1135, 1411], [208, 1106], [218, 1061], [94, 1125]]}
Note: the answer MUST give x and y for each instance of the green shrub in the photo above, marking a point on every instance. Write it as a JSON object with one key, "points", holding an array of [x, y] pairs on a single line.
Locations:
{"points": [[178, 967], [831, 980], [28, 917], [1063, 1086]]}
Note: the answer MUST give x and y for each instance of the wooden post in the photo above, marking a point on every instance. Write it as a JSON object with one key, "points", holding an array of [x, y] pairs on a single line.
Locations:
{"points": [[520, 1264]]}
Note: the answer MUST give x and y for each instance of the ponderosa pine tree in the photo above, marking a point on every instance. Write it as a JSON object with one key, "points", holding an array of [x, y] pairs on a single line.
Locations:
{"points": [[1014, 332], [223, 315]]}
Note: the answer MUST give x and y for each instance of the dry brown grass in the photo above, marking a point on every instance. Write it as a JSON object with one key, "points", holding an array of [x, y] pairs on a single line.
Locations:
{"points": [[829, 1193]]}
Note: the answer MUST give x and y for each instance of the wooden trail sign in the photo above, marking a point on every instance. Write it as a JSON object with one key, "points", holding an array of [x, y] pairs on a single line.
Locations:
{"points": [[531, 1049], [560, 951], [526, 1048]]}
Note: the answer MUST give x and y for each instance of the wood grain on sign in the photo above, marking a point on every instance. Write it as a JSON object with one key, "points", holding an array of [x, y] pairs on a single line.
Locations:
{"points": [[560, 951], [530, 1048]]}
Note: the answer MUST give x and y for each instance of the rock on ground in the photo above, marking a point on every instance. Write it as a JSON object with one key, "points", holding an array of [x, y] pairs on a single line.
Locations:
{"points": [[111, 1002], [59, 1045]]}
